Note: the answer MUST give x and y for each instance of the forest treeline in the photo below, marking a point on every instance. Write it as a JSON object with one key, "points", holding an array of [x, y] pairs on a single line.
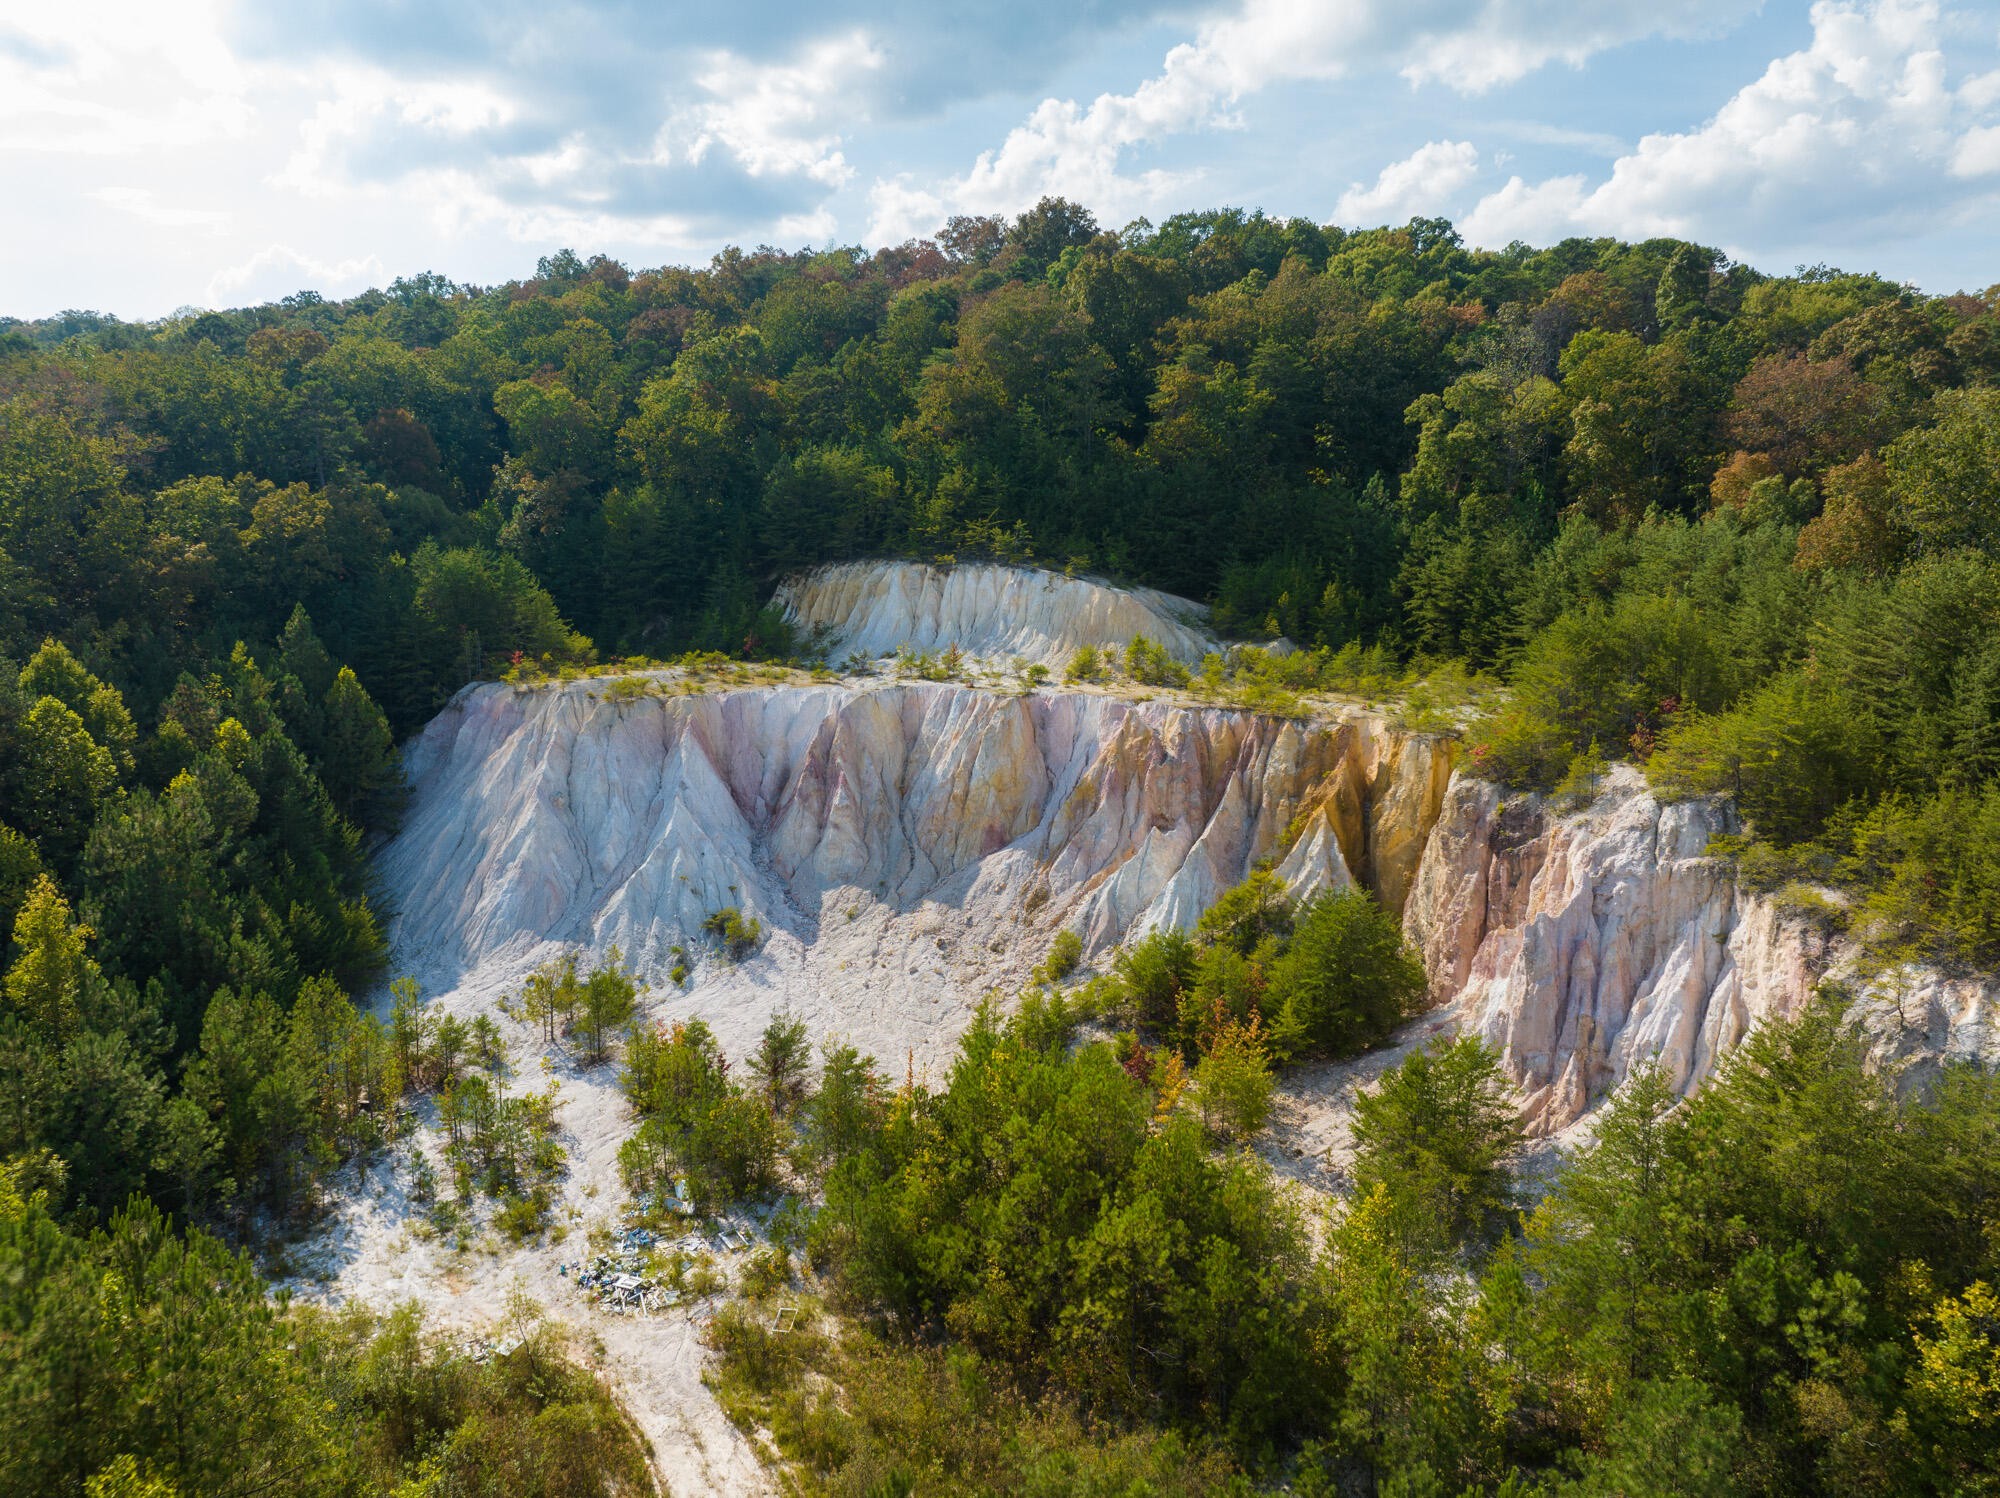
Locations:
{"points": [[1679, 503], [1741, 528]]}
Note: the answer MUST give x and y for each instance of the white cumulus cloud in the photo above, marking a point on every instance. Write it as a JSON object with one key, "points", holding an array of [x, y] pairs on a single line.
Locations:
{"points": [[1470, 46], [1427, 181], [1865, 127], [780, 119]]}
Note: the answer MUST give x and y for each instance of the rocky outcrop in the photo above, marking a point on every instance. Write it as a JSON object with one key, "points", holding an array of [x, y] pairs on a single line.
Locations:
{"points": [[990, 612], [1585, 945], [910, 845], [915, 842]]}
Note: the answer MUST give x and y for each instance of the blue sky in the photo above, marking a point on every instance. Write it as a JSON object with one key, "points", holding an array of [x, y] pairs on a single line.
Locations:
{"points": [[156, 154]]}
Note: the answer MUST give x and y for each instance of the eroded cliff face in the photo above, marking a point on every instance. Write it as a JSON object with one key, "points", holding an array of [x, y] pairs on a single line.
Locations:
{"points": [[910, 846], [1586, 945], [991, 612], [907, 845]]}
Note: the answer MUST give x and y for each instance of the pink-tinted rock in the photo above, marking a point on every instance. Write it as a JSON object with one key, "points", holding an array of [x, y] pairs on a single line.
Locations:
{"points": [[583, 815], [1586, 945]]}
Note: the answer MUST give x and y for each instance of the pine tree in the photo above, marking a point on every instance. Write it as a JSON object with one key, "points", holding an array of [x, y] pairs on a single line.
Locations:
{"points": [[357, 761], [51, 973]]}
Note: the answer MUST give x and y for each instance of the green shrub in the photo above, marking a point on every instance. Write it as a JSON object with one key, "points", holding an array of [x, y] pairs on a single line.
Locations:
{"points": [[1087, 664], [610, 999], [1930, 872], [1578, 786], [521, 1219], [694, 1121], [731, 1153], [739, 936], [779, 1062], [1436, 1131], [867, 1414], [1517, 747], [1247, 914], [1233, 1083], [627, 688], [1345, 979], [768, 1271], [1065, 954], [847, 1111], [1150, 664], [1153, 976], [1790, 754]]}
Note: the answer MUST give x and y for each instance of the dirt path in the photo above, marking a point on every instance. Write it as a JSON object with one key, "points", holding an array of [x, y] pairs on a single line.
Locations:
{"points": [[375, 1250]]}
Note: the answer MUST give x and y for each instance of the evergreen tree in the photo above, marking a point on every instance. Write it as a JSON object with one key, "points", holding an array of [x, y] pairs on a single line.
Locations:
{"points": [[52, 975]]}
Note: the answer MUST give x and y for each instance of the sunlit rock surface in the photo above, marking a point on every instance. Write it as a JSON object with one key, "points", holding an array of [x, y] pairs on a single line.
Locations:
{"points": [[906, 845], [911, 846], [1583, 946], [995, 613]]}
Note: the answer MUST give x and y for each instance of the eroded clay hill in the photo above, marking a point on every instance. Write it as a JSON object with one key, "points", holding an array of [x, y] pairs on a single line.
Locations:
{"points": [[907, 846], [911, 846], [874, 609]]}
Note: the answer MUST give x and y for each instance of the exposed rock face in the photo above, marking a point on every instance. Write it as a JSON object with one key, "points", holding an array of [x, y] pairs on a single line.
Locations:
{"points": [[991, 612], [903, 843], [1581, 947], [909, 846]]}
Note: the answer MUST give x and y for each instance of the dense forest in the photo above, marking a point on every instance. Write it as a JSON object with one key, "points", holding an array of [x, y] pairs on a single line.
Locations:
{"points": [[1054, 1274], [1060, 1285], [1742, 529]]}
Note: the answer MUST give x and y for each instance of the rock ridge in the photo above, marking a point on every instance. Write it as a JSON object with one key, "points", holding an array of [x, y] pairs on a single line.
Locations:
{"points": [[1583, 946], [990, 611]]}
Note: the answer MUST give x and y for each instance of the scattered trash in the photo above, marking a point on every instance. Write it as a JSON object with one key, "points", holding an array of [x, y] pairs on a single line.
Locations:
{"points": [[619, 1283], [786, 1319]]}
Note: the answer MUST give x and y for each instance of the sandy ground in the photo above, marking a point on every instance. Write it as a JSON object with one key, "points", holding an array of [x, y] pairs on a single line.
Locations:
{"points": [[900, 984], [374, 1249]]}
